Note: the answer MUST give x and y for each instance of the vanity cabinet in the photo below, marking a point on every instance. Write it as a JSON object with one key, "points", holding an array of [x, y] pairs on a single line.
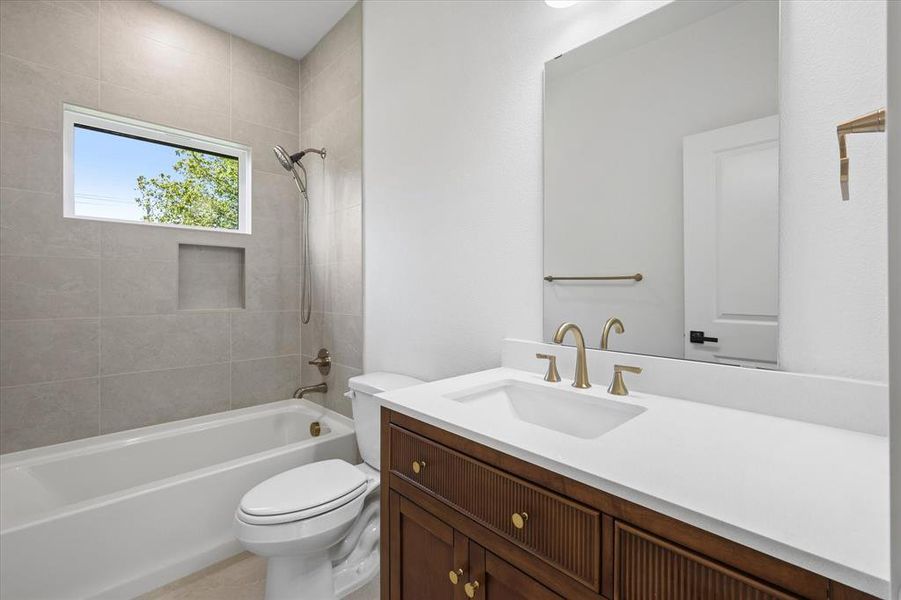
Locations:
{"points": [[502, 528], [432, 560]]}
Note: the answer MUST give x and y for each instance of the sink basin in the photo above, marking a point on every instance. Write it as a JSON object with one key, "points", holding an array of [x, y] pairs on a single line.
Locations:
{"points": [[564, 411]]}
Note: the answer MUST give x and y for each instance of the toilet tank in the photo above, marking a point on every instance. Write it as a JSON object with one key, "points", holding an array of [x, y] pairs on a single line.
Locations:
{"points": [[367, 409]]}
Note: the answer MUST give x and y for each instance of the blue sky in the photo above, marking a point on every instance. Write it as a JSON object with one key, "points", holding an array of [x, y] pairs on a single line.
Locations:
{"points": [[106, 167]]}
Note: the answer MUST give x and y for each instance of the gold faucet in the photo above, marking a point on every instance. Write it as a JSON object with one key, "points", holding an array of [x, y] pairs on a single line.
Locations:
{"points": [[612, 323], [618, 386], [580, 378], [552, 375]]}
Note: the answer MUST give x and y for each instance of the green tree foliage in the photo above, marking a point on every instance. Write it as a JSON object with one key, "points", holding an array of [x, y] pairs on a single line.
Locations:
{"points": [[204, 194]]}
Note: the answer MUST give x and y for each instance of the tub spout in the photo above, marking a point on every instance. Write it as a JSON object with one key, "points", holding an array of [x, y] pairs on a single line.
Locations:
{"points": [[319, 388]]}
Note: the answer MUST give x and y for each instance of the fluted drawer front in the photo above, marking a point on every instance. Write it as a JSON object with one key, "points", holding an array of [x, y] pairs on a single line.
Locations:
{"points": [[648, 568], [563, 533]]}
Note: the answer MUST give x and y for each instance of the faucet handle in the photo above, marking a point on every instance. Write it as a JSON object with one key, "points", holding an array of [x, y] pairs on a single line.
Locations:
{"points": [[618, 386], [552, 374]]}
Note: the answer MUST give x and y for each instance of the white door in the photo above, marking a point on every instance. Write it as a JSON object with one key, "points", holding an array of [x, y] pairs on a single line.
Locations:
{"points": [[731, 228]]}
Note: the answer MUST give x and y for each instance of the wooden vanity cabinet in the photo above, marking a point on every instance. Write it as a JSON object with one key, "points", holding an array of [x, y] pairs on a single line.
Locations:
{"points": [[510, 530], [431, 560]]}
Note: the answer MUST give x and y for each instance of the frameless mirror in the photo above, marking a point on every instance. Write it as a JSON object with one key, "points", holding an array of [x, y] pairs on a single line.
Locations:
{"points": [[662, 186]]}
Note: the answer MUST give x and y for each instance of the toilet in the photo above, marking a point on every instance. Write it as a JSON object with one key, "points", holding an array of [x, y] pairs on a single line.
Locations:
{"points": [[318, 524]]}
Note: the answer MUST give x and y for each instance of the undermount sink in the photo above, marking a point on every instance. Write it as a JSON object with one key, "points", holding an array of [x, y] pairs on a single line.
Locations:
{"points": [[564, 411]]}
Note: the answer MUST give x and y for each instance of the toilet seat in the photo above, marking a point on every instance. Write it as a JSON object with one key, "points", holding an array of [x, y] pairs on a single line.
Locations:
{"points": [[303, 493]]}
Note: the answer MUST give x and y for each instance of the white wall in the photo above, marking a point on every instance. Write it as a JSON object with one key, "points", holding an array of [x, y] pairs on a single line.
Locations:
{"points": [[894, 189], [613, 165], [833, 294], [452, 146], [452, 141]]}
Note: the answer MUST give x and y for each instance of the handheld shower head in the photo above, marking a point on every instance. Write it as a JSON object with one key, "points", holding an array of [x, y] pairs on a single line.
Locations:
{"points": [[289, 160], [284, 158]]}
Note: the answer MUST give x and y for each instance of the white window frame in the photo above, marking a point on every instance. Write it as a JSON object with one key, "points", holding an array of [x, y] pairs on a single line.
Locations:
{"points": [[77, 115]]}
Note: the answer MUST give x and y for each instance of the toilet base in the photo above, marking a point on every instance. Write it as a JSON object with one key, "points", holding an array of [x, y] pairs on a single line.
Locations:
{"points": [[299, 578]]}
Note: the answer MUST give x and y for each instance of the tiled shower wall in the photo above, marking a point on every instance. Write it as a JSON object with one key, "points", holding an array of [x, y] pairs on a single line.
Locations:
{"points": [[91, 336], [330, 115]]}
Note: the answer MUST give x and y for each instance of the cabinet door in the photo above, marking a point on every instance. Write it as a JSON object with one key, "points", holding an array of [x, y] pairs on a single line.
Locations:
{"points": [[496, 579], [424, 551], [649, 568]]}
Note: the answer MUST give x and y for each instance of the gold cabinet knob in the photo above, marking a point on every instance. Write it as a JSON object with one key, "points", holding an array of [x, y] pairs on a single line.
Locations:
{"points": [[470, 589], [454, 576], [418, 465], [519, 519]]}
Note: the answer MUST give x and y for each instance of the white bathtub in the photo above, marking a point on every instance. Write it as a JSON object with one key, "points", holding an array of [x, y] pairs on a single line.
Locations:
{"points": [[120, 514]]}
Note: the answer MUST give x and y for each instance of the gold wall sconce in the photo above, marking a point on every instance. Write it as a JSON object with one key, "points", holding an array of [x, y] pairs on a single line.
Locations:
{"points": [[869, 123]]}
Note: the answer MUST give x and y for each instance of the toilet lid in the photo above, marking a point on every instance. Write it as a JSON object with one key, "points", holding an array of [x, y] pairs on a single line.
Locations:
{"points": [[304, 489]]}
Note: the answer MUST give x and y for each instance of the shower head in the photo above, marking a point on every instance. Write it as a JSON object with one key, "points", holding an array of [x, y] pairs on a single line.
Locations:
{"points": [[284, 158], [288, 160]]}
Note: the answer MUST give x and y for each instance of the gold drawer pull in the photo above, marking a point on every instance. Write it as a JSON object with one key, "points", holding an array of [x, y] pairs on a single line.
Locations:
{"points": [[418, 465], [470, 589], [454, 576], [519, 519]]}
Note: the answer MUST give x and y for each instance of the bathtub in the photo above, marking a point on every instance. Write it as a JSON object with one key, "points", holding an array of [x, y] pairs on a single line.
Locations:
{"points": [[120, 514]]}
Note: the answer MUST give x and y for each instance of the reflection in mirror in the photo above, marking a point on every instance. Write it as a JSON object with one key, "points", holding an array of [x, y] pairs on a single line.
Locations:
{"points": [[661, 159]]}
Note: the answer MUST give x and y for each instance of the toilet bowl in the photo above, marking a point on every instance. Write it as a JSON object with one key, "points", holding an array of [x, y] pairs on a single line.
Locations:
{"points": [[318, 524]]}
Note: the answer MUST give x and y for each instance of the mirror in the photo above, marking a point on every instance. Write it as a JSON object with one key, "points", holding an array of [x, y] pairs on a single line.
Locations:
{"points": [[662, 185]]}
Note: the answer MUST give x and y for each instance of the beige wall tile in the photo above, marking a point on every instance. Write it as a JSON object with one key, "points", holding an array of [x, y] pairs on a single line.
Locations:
{"points": [[146, 65], [149, 398], [152, 343], [315, 334], [262, 101], [341, 81], [166, 26], [344, 34], [210, 277], [342, 129], [32, 224], [262, 139], [264, 380], [48, 413], [247, 56], [344, 184], [48, 350], [156, 108], [276, 241], [211, 286], [42, 33], [44, 288], [347, 339], [264, 334], [138, 287], [271, 286], [33, 95], [345, 288], [30, 159], [347, 235], [275, 197], [149, 242]]}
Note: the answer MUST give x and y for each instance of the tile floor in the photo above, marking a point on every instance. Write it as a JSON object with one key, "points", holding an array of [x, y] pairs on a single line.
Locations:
{"points": [[242, 577]]}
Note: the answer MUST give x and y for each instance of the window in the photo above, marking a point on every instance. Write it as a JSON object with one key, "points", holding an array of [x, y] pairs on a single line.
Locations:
{"points": [[120, 169]]}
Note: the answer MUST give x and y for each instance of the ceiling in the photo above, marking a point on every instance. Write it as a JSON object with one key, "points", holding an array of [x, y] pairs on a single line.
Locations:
{"points": [[289, 27]]}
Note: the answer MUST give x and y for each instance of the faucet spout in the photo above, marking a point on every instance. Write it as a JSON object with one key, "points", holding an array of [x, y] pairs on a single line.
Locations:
{"points": [[580, 377], [614, 324], [319, 388]]}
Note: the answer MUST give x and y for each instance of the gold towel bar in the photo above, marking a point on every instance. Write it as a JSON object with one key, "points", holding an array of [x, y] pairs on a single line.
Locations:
{"points": [[872, 122], [636, 277]]}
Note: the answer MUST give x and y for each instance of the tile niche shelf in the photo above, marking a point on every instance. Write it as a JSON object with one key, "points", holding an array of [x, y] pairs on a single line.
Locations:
{"points": [[210, 277]]}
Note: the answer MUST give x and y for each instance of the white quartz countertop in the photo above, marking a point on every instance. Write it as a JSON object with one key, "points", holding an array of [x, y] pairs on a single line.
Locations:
{"points": [[812, 495]]}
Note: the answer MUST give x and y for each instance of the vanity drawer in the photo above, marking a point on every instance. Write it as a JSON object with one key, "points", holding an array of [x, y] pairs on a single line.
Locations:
{"points": [[559, 531], [647, 567]]}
